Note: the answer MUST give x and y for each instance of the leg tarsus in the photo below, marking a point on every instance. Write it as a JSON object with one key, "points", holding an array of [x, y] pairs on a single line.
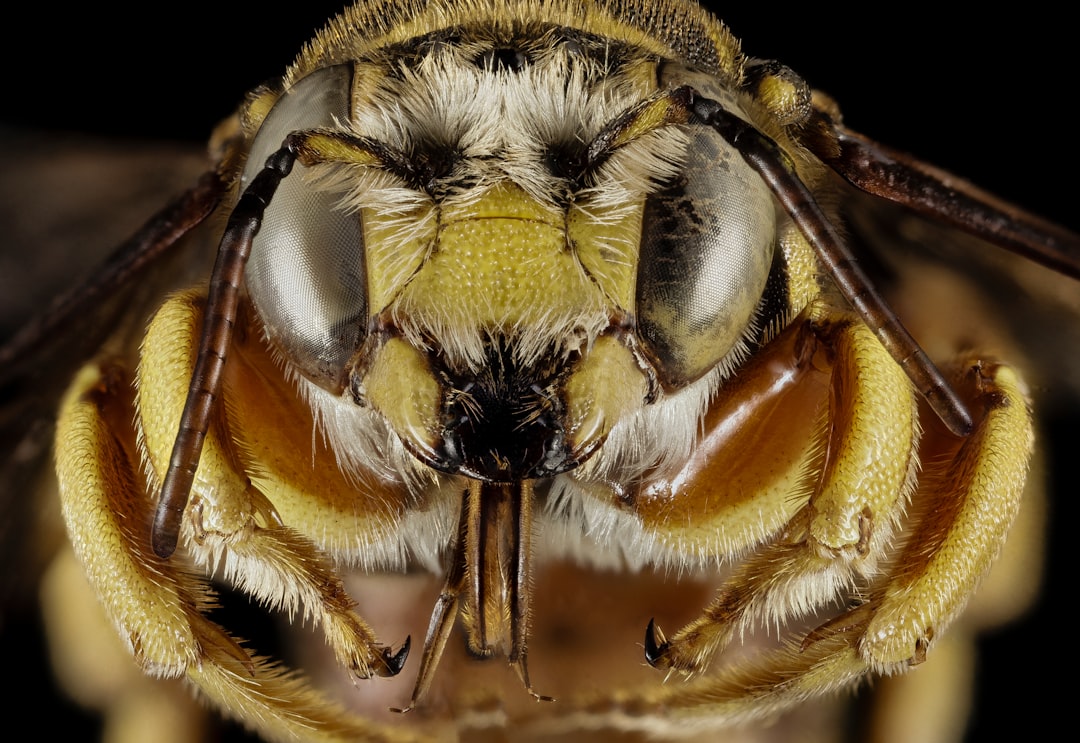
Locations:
{"points": [[393, 662], [656, 644], [520, 663]]}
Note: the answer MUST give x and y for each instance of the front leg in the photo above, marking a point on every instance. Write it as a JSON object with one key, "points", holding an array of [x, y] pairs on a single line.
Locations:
{"points": [[159, 607], [861, 481], [229, 523], [951, 532]]}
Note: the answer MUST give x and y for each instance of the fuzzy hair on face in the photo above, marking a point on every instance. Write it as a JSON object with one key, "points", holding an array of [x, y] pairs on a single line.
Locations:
{"points": [[488, 126]]}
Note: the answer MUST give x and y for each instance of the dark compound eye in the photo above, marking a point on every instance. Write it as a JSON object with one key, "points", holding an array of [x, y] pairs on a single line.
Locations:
{"points": [[706, 251], [306, 274]]}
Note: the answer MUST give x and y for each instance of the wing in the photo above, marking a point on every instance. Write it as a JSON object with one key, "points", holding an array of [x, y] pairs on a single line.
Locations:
{"points": [[66, 203]]}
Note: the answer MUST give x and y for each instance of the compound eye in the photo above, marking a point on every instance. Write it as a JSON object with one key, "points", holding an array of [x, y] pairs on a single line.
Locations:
{"points": [[706, 252], [306, 273]]}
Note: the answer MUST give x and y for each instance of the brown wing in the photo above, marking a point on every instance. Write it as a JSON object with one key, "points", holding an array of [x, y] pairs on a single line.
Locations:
{"points": [[65, 204]]}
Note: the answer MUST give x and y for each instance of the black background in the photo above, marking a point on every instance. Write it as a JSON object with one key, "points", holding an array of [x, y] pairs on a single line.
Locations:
{"points": [[986, 96], [989, 97]]}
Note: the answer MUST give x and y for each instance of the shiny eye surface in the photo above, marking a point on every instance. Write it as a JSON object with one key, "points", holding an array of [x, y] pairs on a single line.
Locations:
{"points": [[306, 272], [706, 251]]}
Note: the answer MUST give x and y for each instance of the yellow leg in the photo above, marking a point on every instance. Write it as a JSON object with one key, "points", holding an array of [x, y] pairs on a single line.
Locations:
{"points": [[95, 670], [956, 524], [963, 510], [157, 605], [867, 472], [229, 523]]}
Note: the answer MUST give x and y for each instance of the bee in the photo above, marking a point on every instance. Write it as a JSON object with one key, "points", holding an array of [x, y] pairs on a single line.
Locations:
{"points": [[489, 581]]}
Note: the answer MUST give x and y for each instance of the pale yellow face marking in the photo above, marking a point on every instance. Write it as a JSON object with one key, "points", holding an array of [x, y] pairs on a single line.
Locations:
{"points": [[499, 261]]}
